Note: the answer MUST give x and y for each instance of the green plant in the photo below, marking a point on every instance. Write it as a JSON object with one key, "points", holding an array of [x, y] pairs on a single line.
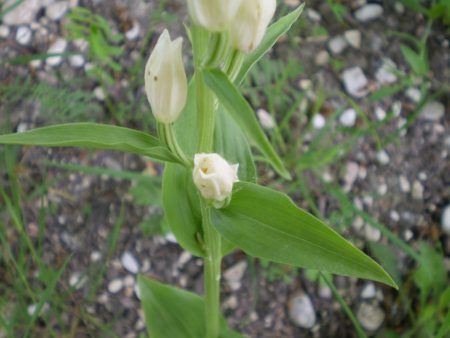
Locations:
{"points": [[208, 210]]}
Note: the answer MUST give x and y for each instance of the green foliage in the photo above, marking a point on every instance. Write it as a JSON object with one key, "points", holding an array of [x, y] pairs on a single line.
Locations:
{"points": [[91, 135], [174, 313], [265, 223], [83, 24]]}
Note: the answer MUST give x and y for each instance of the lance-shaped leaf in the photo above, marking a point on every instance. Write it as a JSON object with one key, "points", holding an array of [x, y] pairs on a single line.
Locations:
{"points": [[174, 313], [267, 224], [273, 33], [239, 109], [93, 135]]}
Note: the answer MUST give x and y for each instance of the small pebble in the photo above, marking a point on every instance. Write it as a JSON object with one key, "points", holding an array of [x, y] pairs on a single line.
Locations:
{"points": [[184, 258], [417, 190], [396, 108], [445, 220], [77, 60], [372, 234], [130, 263], [371, 316], [408, 235], [382, 157], [413, 94], [351, 174], [129, 281], [115, 285], [313, 14], [394, 215], [22, 14], [325, 292], [405, 186], [233, 275], [59, 46], [266, 120], [355, 82], [77, 280], [171, 238], [4, 31], [368, 291], [337, 44], [322, 58], [386, 73], [348, 117], [100, 94], [353, 37], [23, 35], [301, 311], [95, 256], [433, 111], [56, 10], [231, 303], [318, 121], [133, 33], [380, 113], [369, 12]]}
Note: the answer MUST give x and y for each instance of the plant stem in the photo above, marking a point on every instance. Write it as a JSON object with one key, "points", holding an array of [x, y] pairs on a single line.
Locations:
{"points": [[211, 274]]}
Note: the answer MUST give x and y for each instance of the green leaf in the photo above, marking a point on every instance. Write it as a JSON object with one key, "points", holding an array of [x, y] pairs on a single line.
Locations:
{"points": [[267, 224], [243, 115], [230, 142], [182, 208], [273, 33], [92, 135], [174, 313], [417, 63]]}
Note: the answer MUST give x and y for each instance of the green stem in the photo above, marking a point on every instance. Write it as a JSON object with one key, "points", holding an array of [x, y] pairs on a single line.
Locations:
{"points": [[206, 114], [212, 272], [166, 133]]}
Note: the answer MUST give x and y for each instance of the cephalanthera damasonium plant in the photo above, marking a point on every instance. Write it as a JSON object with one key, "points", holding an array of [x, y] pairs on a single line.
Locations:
{"points": [[211, 201]]}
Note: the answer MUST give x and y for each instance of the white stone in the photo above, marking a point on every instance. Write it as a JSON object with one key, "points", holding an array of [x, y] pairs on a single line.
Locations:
{"points": [[95, 256], [58, 46], [371, 316], [445, 220], [100, 95], [266, 120], [56, 10], [133, 33], [353, 37], [405, 186], [348, 117], [337, 44], [383, 157], [417, 190], [318, 121], [372, 234], [325, 292], [4, 31], [129, 281], [368, 291], [408, 235], [394, 215], [351, 174], [380, 113], [399, 7], [396, 108], [115, 285], [22, 127], [413, 94], [301, 311], [433, 111], [23, 14], [31, 309], [77, 280], [234, 274], [184, 258], [369, 12], [77, 60], [386, 73], [231, 303], [382, 189], [24, 35], [322, 58], [129, 262], [355, 82], [313, 15]]}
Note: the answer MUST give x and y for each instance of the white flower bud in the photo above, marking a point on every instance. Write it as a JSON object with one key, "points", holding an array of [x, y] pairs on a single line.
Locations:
{"points": [[214, 177], [165, 79], [214, 15], [250, 23]]}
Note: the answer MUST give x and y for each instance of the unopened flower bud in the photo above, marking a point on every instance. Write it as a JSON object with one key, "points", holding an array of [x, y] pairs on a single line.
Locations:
{"points": [[250, 23], [214, 15], [214, 177], [165, 79]]}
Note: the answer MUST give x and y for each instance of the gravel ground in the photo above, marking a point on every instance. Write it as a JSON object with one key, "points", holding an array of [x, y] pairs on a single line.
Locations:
{"points": [[405, 186]]}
